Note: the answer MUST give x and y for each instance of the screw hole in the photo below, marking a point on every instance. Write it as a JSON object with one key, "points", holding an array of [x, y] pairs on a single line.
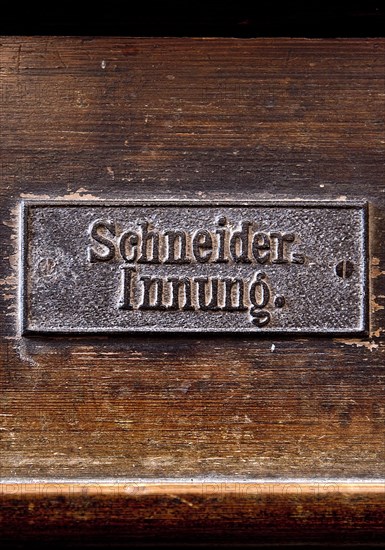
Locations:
{"points": [[344, 269]]}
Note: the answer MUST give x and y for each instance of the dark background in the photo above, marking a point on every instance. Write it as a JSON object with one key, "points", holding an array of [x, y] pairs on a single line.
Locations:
{"points": [[231, 19]]}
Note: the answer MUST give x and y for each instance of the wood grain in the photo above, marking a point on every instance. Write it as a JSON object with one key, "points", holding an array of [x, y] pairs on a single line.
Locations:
{"points": [[192, 118], [223, 514]]}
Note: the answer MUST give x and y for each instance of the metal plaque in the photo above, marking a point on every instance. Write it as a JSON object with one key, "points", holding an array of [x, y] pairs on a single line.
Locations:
{"points": [[109, 267]]}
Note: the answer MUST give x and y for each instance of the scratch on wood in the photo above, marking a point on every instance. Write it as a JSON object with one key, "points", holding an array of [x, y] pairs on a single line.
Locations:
{"points": [[374, 305], [181, 499], [18, 58], [368, 344]]}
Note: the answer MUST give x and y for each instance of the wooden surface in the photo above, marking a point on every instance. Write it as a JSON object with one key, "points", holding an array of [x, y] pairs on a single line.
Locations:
{"points": [[220, 118], [219, 515]]}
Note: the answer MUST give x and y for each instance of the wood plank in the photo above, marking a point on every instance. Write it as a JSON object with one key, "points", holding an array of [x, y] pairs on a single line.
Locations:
{"points": [[220, 513], [119, 118]]}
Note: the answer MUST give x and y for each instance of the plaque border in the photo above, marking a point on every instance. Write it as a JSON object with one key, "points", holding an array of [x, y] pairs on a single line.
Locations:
{"points": [[26, 204]]}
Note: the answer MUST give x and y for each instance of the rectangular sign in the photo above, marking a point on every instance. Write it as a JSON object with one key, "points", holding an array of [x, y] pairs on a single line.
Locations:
{"points": [[113, 267]]}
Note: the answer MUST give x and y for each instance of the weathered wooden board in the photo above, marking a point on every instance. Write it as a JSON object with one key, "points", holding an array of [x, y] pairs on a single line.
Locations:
{"points": [[225, 514], [200, 119]]}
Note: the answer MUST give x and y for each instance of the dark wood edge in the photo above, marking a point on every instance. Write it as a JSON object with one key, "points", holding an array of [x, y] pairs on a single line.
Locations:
{"points": [[267, 512]]}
